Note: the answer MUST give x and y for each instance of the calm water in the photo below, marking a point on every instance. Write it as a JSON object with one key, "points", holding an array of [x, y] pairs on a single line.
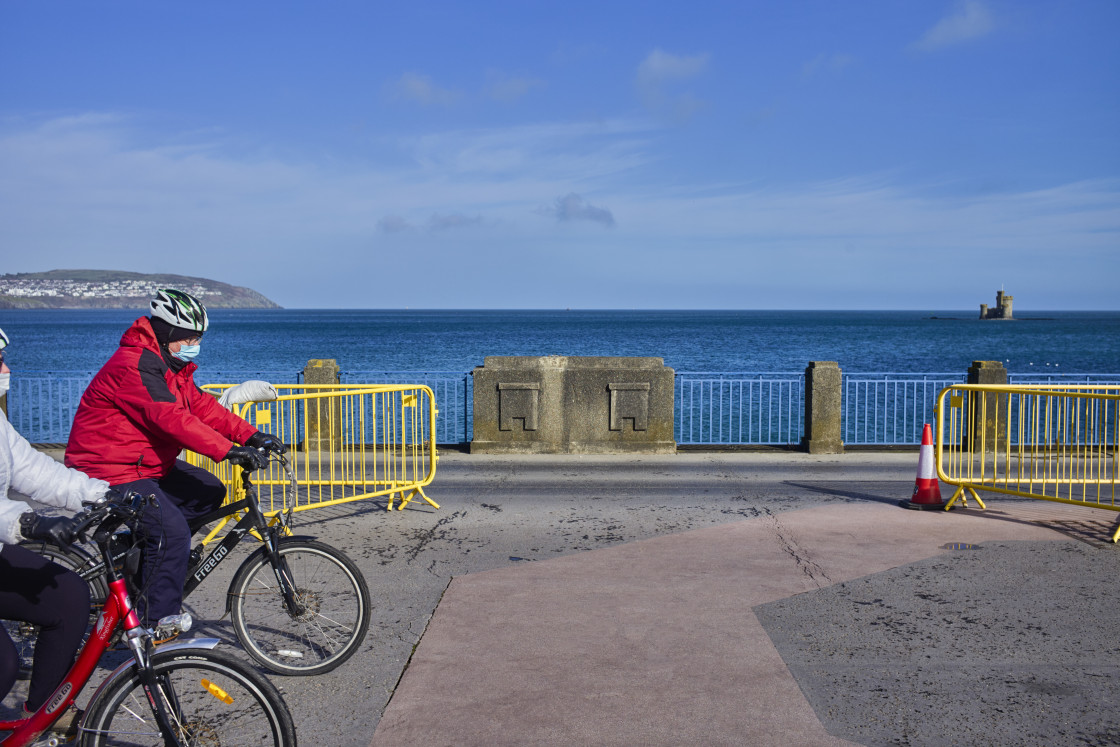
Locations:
{"points": [[766, 341]]}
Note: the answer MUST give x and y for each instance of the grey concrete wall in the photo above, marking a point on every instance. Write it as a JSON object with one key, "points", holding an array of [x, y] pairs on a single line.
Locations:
{"points": [[573, 405]]}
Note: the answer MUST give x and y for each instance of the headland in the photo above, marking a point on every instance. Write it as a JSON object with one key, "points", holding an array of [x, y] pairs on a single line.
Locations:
{"points": [[113, 289]]}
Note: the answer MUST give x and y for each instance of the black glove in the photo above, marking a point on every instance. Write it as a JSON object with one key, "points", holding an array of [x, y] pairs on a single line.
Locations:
{"points": [[247, 458], [58, 530], [266, 441], [112, 495]]}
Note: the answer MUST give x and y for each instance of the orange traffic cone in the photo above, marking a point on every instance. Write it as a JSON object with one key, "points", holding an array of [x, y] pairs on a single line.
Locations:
{"points": [[927, 492]]}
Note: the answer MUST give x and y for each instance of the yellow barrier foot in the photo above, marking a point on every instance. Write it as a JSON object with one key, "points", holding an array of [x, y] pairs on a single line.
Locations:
{"points": [[958, 494], [425, 497]]}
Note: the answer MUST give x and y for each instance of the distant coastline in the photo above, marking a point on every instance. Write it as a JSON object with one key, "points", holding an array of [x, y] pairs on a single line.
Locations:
{"points": [[111, 289]]}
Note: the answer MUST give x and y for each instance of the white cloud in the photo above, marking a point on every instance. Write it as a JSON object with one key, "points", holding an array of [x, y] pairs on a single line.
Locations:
{"points": [[658, 78], [572, 207], [508, 88], [970, 19], [577, 151], [84, 191], [440, 222], [423, 90], [394, 224], [659, 67], [826, 63]]}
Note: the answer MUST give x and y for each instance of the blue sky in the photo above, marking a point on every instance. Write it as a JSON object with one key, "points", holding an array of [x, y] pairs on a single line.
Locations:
{"points": [[737, 155]]}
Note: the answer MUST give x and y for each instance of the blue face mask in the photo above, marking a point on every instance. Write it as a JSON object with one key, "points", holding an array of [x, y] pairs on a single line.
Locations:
{"points": [[187, 352]]}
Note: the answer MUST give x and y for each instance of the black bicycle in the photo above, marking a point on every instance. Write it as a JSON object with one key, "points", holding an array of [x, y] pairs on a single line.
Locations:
{"points": [[298, 605]]}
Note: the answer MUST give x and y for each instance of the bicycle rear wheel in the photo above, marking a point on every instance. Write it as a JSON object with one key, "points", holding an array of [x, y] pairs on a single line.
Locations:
{"points": [[212, 698], [75, 559], [333, 614]]}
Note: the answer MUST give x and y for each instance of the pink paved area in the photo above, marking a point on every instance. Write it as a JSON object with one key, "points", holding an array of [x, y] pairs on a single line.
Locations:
{"points": [[655, 642]]}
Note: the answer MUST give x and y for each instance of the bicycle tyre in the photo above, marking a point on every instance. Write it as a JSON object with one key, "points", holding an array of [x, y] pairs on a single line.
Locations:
{"points": [[214, 696], [24, 635], [74, 558], [336, 602]]}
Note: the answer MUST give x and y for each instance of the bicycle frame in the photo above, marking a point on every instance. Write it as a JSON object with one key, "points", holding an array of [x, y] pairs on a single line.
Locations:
{"points": [[254, 520], [118, 610]]}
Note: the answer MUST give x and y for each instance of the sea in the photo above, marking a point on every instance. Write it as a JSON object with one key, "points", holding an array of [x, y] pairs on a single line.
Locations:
{"points": [[281, 341]]}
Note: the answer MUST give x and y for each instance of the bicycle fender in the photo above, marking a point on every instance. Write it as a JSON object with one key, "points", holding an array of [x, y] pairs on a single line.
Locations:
{"points": [[253, 557], [125, 669]]}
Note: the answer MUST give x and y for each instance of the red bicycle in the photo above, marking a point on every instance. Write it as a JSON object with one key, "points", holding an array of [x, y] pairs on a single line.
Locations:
{"points": [[182, 694]]}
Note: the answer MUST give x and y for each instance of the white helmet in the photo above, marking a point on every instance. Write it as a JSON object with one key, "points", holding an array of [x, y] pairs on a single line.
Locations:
{"points": [[3, 340], [180, 309]]}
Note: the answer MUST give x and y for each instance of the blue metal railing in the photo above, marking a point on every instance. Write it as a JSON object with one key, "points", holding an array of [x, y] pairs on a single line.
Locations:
{"points": [[41, 404], [1094, 423], [739, 408], [889, 408], [1014, 379], [454, 396], [710, 408]]}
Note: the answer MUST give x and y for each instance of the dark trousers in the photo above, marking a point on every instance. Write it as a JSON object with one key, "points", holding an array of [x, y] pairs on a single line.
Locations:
{"points": [[185, 493], [35, 590]]}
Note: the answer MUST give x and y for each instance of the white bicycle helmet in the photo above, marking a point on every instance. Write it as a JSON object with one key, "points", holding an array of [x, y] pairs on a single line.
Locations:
{"points": [[3, 340], [180, 309]]}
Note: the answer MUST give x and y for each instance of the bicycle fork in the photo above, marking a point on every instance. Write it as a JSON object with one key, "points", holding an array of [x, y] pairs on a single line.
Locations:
{"points": [[283, 573], [161, 697]]}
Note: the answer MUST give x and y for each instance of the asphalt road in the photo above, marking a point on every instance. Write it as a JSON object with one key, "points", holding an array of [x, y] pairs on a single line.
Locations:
{"points": [[500, 511]]}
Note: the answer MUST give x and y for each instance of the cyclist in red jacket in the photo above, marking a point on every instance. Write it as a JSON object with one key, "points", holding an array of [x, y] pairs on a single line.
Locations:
{"points": [[143, 408]]}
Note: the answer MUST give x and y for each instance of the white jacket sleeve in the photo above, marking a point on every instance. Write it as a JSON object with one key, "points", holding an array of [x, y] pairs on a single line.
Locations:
{"points": [[39, 477]]}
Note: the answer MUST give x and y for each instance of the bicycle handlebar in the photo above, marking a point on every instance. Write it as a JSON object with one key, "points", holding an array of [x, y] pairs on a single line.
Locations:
{"points": [[115, 509]]}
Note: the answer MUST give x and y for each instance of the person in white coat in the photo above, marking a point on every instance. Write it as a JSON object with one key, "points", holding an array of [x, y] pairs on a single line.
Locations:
{"points": [[33, 589]]}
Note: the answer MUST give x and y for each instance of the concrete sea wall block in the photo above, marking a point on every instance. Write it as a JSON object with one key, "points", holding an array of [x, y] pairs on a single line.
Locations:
{"points": [[823, 408], [629, 402], [988, 413], [323, 427], [573, 405], [518, 402]]}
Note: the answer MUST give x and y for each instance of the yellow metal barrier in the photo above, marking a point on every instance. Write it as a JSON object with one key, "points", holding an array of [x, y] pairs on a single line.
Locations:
{"points": [[348, 443], [1051, 442]]}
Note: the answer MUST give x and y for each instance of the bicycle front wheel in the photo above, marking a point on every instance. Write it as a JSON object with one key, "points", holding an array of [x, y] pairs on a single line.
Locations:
{"points": [[331, 616], [211, 698]]}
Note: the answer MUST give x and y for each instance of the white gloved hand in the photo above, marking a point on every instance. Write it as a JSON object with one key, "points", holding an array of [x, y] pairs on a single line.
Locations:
{"points": [[253, 390]]}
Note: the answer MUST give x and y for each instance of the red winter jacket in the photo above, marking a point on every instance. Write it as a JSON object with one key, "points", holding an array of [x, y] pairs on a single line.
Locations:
{"points": [[137, 415]]}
